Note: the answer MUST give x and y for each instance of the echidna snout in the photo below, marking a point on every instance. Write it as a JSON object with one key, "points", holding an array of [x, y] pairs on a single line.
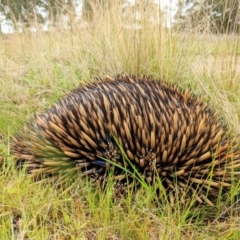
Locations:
{"points": [[163, 131]]}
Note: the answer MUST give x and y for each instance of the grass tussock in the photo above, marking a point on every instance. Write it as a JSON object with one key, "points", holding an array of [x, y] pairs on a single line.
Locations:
{"points": [[38, 68]]}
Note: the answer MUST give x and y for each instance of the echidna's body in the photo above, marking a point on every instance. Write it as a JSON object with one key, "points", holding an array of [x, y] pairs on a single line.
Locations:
{"points": [[163, 131]]}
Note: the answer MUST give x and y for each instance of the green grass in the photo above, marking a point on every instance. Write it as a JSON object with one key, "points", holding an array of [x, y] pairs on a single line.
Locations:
{"points": [[36, 69]]}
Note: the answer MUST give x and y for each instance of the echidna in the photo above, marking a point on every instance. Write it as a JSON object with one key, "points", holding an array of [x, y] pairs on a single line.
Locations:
{"points": [[128, 124]]}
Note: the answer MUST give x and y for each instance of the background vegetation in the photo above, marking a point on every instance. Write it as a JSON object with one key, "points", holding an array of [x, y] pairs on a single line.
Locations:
{"points": [[216, 16], [38, 67]]}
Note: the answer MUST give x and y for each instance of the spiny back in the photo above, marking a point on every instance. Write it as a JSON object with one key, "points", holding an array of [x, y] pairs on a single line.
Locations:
{"points": [[162, 130]]}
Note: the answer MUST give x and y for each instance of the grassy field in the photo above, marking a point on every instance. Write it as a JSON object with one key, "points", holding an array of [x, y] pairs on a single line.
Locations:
{"points": [[36, 69]]}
